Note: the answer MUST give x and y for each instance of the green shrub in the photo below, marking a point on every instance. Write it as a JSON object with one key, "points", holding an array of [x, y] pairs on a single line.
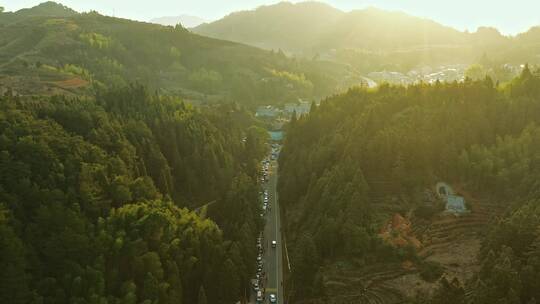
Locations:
{"points": [[431, 271]]}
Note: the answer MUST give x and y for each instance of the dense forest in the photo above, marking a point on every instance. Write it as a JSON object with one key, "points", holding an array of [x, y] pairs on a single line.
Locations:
{"points": [[93, 197], [362, 156], [51, 49], [132, 172]]}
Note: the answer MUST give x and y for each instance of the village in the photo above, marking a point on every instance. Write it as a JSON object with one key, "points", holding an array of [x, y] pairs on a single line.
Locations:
{"points": [[430, 75]]}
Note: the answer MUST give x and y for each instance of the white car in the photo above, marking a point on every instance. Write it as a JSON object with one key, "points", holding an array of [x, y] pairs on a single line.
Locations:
{"points": [[274, 244], [273, 298]]}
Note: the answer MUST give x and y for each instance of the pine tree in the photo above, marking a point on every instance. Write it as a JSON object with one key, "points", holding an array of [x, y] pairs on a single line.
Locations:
{"points": [[294, 118], [13, 279], [201, 299]]}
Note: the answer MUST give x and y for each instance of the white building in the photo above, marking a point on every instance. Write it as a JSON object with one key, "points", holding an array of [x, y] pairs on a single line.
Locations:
{"points": [[301, 108]]}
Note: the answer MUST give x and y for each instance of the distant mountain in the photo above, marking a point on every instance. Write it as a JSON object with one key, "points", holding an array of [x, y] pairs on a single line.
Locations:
{"points": [[186, 20], [313, 26], [45, 9], [369, 39], [376, 29], [287, 26], [49, 8]]}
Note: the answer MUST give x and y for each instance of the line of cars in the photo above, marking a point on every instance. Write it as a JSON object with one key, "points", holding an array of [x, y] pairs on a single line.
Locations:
{"points": [[266, 167], [260, 277], [275, 151], [264, 178], [258, 283]]}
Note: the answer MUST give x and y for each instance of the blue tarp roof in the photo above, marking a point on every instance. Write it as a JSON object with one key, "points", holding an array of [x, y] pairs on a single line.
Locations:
{"points": [[455, 203], [276, 135]]}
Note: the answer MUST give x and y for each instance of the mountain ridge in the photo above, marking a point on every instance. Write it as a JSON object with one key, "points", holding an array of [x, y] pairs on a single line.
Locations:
{"points": [[370, 39], [187, 21], [331, 25], [44, 9]]}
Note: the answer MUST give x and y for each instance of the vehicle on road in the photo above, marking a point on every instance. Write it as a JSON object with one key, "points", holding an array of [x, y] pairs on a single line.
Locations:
{"points": [[274, 244], [255, 284], [260, 297], [273, 298]]}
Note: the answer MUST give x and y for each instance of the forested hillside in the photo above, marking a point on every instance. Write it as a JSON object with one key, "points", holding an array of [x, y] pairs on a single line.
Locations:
{"points": [[45, 9], [133, 169], [93, 194], [369, 39], [43, 51], [319, 27], [363, 156], [288, 26]]}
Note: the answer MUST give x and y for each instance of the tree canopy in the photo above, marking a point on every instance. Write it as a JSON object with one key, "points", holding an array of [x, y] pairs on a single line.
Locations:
{"points": [[94, 195], [364, 155]]}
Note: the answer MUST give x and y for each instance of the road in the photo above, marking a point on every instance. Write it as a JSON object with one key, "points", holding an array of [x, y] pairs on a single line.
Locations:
{"points": [[370, 83], [273, 256]]}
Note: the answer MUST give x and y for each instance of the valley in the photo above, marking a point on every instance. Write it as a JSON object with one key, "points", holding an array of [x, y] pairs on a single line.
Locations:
{"points": [[290, 153]]}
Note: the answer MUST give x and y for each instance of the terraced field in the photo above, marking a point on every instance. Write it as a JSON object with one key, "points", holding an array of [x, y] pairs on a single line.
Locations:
{"points": [[366, 285], [448, 229], [448, 240], [454, 241]]}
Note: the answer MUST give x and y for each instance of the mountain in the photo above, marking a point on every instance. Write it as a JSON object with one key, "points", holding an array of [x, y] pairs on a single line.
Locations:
{"points": [[45, 9], [369, 39], [312, 25], [376, 29], [81, 51], [287, 26], [49, 8], [187, 21]]}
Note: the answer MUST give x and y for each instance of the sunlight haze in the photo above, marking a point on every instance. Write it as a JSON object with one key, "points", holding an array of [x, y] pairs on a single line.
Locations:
{"points": [[510, 17], [267, 152]]}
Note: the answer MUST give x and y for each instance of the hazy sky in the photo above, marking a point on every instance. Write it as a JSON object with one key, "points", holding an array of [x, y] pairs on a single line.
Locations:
{"points": [[509, 17]]}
